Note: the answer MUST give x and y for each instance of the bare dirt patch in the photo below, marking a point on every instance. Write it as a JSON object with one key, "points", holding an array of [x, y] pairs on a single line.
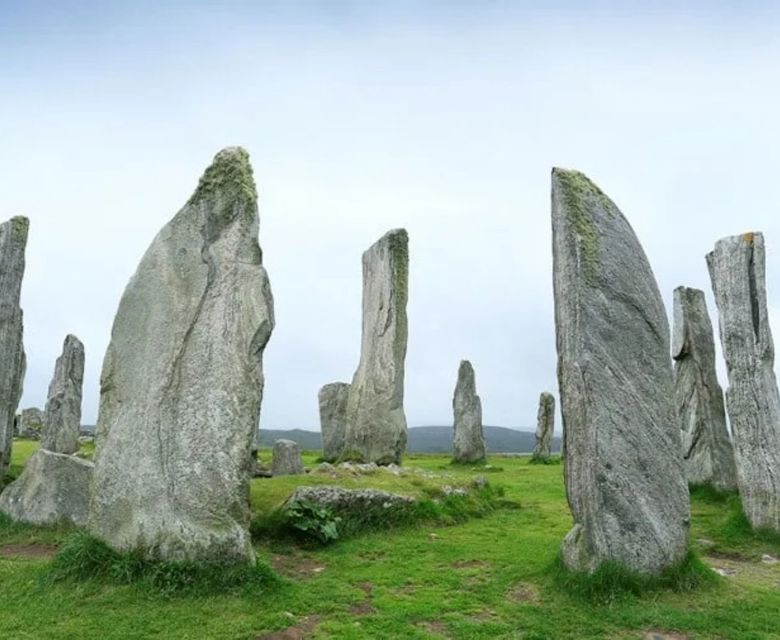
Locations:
{"points": [[301, 631], [365, 608], [523, 592], [45, 551], [655, 634], [297, 567], [434, 628]]}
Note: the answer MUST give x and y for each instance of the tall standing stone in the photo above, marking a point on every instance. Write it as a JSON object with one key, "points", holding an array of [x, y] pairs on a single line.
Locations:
{"points": [[706, 446], [333, 418], [182, 381], [286, 459], [62, 419], [624, 474], [13, 241], [737, 270], [545, 425], [376, 424], [468, 443]]}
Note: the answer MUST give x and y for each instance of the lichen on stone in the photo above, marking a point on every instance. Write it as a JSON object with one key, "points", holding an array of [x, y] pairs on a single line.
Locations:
{"points": [[578, 190]]}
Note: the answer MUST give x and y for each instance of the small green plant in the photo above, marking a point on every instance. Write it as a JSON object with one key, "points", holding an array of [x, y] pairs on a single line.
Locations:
{"points": [[537, 459], [84, 557], [313, 520]]}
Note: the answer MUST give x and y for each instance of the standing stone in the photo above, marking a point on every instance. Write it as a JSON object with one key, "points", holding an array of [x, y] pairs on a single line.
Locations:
{"points": [[468, 443], [13, 241], [63, 408], [286, 459], [706, 446], [545, 425], [182, 381], [624, 474], [333, 418], [376, 424], [737, 270], [30, 423]]}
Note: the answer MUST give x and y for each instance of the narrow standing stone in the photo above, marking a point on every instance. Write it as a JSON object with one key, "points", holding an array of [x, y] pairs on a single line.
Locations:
{"points": [[182, 381], [286, 458], [13, 241], [706, 446], [333, 418], [624, 474], [737, 270], [545, 425], [62, 420], [376, 424], [468, 443]]}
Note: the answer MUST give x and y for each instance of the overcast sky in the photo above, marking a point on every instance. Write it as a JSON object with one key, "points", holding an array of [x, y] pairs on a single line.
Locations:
{"points": [[443, 118]]}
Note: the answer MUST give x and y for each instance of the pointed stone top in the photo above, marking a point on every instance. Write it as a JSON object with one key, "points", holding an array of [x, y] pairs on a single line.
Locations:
{"points": [[72, 341], [231, 174], [466, 378], [19, 227]]}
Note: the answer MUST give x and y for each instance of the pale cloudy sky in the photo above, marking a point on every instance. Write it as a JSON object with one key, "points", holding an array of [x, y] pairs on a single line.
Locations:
{"points": [[441, 117]]}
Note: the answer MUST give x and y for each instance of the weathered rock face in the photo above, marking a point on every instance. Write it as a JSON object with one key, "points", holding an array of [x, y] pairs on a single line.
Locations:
{"points": [[468, 443], [13, 241], [30, 423], [286, 459], [706, 446], [62, 420], [182, 381], [53, 487], [624, 474], [349, 500], [545, 425], [376, 424], [333, 418], [737, 270]]}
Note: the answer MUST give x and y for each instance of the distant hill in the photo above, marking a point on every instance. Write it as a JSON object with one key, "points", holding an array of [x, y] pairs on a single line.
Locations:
{"points": [[428, 439]]}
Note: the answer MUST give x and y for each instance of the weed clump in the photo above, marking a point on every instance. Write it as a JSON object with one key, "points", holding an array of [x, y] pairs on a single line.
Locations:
{"points": [[84, 557]]}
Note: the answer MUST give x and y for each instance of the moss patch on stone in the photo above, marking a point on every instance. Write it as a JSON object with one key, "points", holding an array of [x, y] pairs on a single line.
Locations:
{"points": [[579, 193]]}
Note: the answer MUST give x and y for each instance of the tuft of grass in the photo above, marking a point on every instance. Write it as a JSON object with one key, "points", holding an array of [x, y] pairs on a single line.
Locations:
{"points": [[612, 582], [433, 507], [536, 459], [84, 557], [708, 493]]}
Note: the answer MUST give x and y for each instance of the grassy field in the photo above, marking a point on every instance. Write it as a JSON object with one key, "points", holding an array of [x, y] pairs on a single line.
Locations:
{"points": [[488, 577]]}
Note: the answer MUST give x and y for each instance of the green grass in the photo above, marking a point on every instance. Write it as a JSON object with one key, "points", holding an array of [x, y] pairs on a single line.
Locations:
{"points": [[461, 577]]}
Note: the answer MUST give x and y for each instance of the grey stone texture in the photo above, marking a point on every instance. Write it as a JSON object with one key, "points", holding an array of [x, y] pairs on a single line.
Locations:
{"points": [[738, 272], [53, 488], [13, 242], [182, 381], [376, 423], [545, 425], [62, 420], [349, 500], [624, 474], [706, 445], [333, 418], [286, 459], [30, 423], [468, 442]]}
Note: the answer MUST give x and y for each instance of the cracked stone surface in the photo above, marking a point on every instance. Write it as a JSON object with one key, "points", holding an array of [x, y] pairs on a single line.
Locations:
{"points": [[333, 418], [738, 273], [13, 242], [62, 419], [545, 425], [376, 423], [706, 445], [624, 474], [182, 381]]}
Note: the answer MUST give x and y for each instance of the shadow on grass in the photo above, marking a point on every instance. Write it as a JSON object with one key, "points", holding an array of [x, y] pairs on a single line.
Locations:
{"points": [[83, 557], [613, 582]]}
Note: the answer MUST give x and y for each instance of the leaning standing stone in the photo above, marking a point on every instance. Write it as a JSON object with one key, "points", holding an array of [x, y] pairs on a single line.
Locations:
{"points": [[182, 381], [286, 458], [706, 446], [545, 425], [62, 420], [13, 241], [624, 474], [333, 418], [376, 424], [468, 443], [737, 270]]}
